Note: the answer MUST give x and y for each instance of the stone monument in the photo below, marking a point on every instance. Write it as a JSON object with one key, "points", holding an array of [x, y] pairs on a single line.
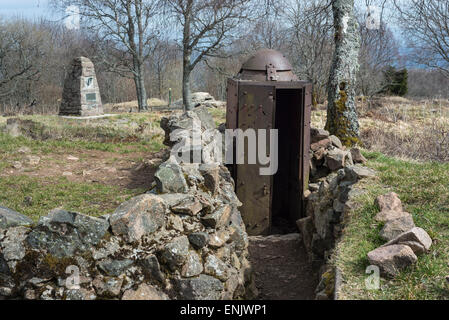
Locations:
{"points": [[81, 95]]}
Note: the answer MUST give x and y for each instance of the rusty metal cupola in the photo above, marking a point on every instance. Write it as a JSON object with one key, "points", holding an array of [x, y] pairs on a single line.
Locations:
{"points": [[267, 65], [267, 95]]}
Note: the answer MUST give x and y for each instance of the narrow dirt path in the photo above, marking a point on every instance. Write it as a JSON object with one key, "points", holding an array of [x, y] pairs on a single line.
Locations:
{"points": [[281, 267]]}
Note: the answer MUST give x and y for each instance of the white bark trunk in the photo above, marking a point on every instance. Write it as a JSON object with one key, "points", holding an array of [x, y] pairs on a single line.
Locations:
{"points": [[342, 118]]}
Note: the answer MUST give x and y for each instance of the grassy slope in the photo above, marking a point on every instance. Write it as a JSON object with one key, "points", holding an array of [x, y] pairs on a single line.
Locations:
{"points": [[50, 193], [73, 136], [424, 191]]}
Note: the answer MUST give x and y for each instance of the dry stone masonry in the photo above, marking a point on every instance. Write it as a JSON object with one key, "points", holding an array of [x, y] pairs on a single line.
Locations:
{"points": [[334, 173], [184, 239], [81, 94], [405, 241]]}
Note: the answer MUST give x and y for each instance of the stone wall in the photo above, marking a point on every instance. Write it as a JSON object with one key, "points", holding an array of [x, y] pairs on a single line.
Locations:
{"points": [[334, 174], [184, 239], [81, 94]]}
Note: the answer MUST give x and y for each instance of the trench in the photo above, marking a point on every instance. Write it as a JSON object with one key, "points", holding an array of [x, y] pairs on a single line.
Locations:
{"points": [[281, 268], [280, 262]]}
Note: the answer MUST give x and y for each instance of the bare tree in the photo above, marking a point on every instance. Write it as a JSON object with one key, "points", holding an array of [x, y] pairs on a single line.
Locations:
{"points": [[342, 119], [425, 23], [207, 26], [378, 47], [20, 49], [127, 26], [311, 45], [164, 52], [378, 50]]}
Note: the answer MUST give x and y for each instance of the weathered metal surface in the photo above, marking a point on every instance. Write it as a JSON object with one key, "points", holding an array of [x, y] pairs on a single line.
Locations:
{"points": [[307, 110], [264, 57], [256, 107], [267, 95], [267, 65], [231, 119], [232, 104]]}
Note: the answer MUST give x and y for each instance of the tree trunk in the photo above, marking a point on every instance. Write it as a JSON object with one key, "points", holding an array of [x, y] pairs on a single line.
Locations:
{"points": [[186, 94], [140, 87], [342, 118]]}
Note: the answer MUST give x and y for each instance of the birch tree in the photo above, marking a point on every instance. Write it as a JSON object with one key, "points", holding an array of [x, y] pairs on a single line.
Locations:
{"points": [[207, 26], [342, 118]]}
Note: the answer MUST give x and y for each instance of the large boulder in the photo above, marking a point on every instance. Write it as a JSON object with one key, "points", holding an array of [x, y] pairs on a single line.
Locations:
{"points": [[360, 172], [181, 127], [392, 259], [389, 202], [215, 267], [10, 218], [335, 159], [388, 215], [62, 233], [218, 218], [175, 253], [393, 228], [142, 215], [357, 156], [144, 292], [13, 248], [170, 177], [203, 287], [114, 268], [416, 238], [193, 265], [318, 134]]}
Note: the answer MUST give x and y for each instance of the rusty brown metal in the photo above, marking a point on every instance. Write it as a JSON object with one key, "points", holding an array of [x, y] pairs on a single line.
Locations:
{"points": [[231, 117], [307, 111], [256, 107], [267, 95], [264, 57], [267, 65]]}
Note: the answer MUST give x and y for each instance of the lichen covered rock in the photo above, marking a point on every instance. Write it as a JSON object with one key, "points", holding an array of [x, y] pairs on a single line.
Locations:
{"points": [[185, 239]]}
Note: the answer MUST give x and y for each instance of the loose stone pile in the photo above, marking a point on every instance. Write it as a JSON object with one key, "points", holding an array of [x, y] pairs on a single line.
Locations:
{"points": [[184, 239], [334, 174], [327, 154], [203, 99], [404, 240]]}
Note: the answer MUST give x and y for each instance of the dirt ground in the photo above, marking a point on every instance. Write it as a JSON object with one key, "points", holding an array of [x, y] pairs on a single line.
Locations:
{"points": [[281, 268], [130, 171]]}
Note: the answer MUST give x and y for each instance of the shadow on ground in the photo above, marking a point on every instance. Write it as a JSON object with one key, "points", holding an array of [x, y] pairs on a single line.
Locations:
{"points": [[282, 268]]}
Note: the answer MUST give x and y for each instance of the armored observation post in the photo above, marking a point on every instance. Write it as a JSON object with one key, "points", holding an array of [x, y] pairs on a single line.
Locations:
{"points": [[266, 94], [81, 94]]}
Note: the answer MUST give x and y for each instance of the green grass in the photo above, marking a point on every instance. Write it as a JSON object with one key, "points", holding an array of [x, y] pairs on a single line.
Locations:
{"points": [[9, 144], [50, 193], [219, 115], [69, 136], [424, 191]]}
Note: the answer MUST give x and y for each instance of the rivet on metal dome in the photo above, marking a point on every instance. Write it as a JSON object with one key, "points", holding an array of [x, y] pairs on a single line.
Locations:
{"points": [[267, 65]]}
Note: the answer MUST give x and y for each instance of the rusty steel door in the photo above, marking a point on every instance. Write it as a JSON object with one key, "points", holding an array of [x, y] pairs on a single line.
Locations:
{"points": [[232, 109], [306, 116], [232, 104], [256, 111]]}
